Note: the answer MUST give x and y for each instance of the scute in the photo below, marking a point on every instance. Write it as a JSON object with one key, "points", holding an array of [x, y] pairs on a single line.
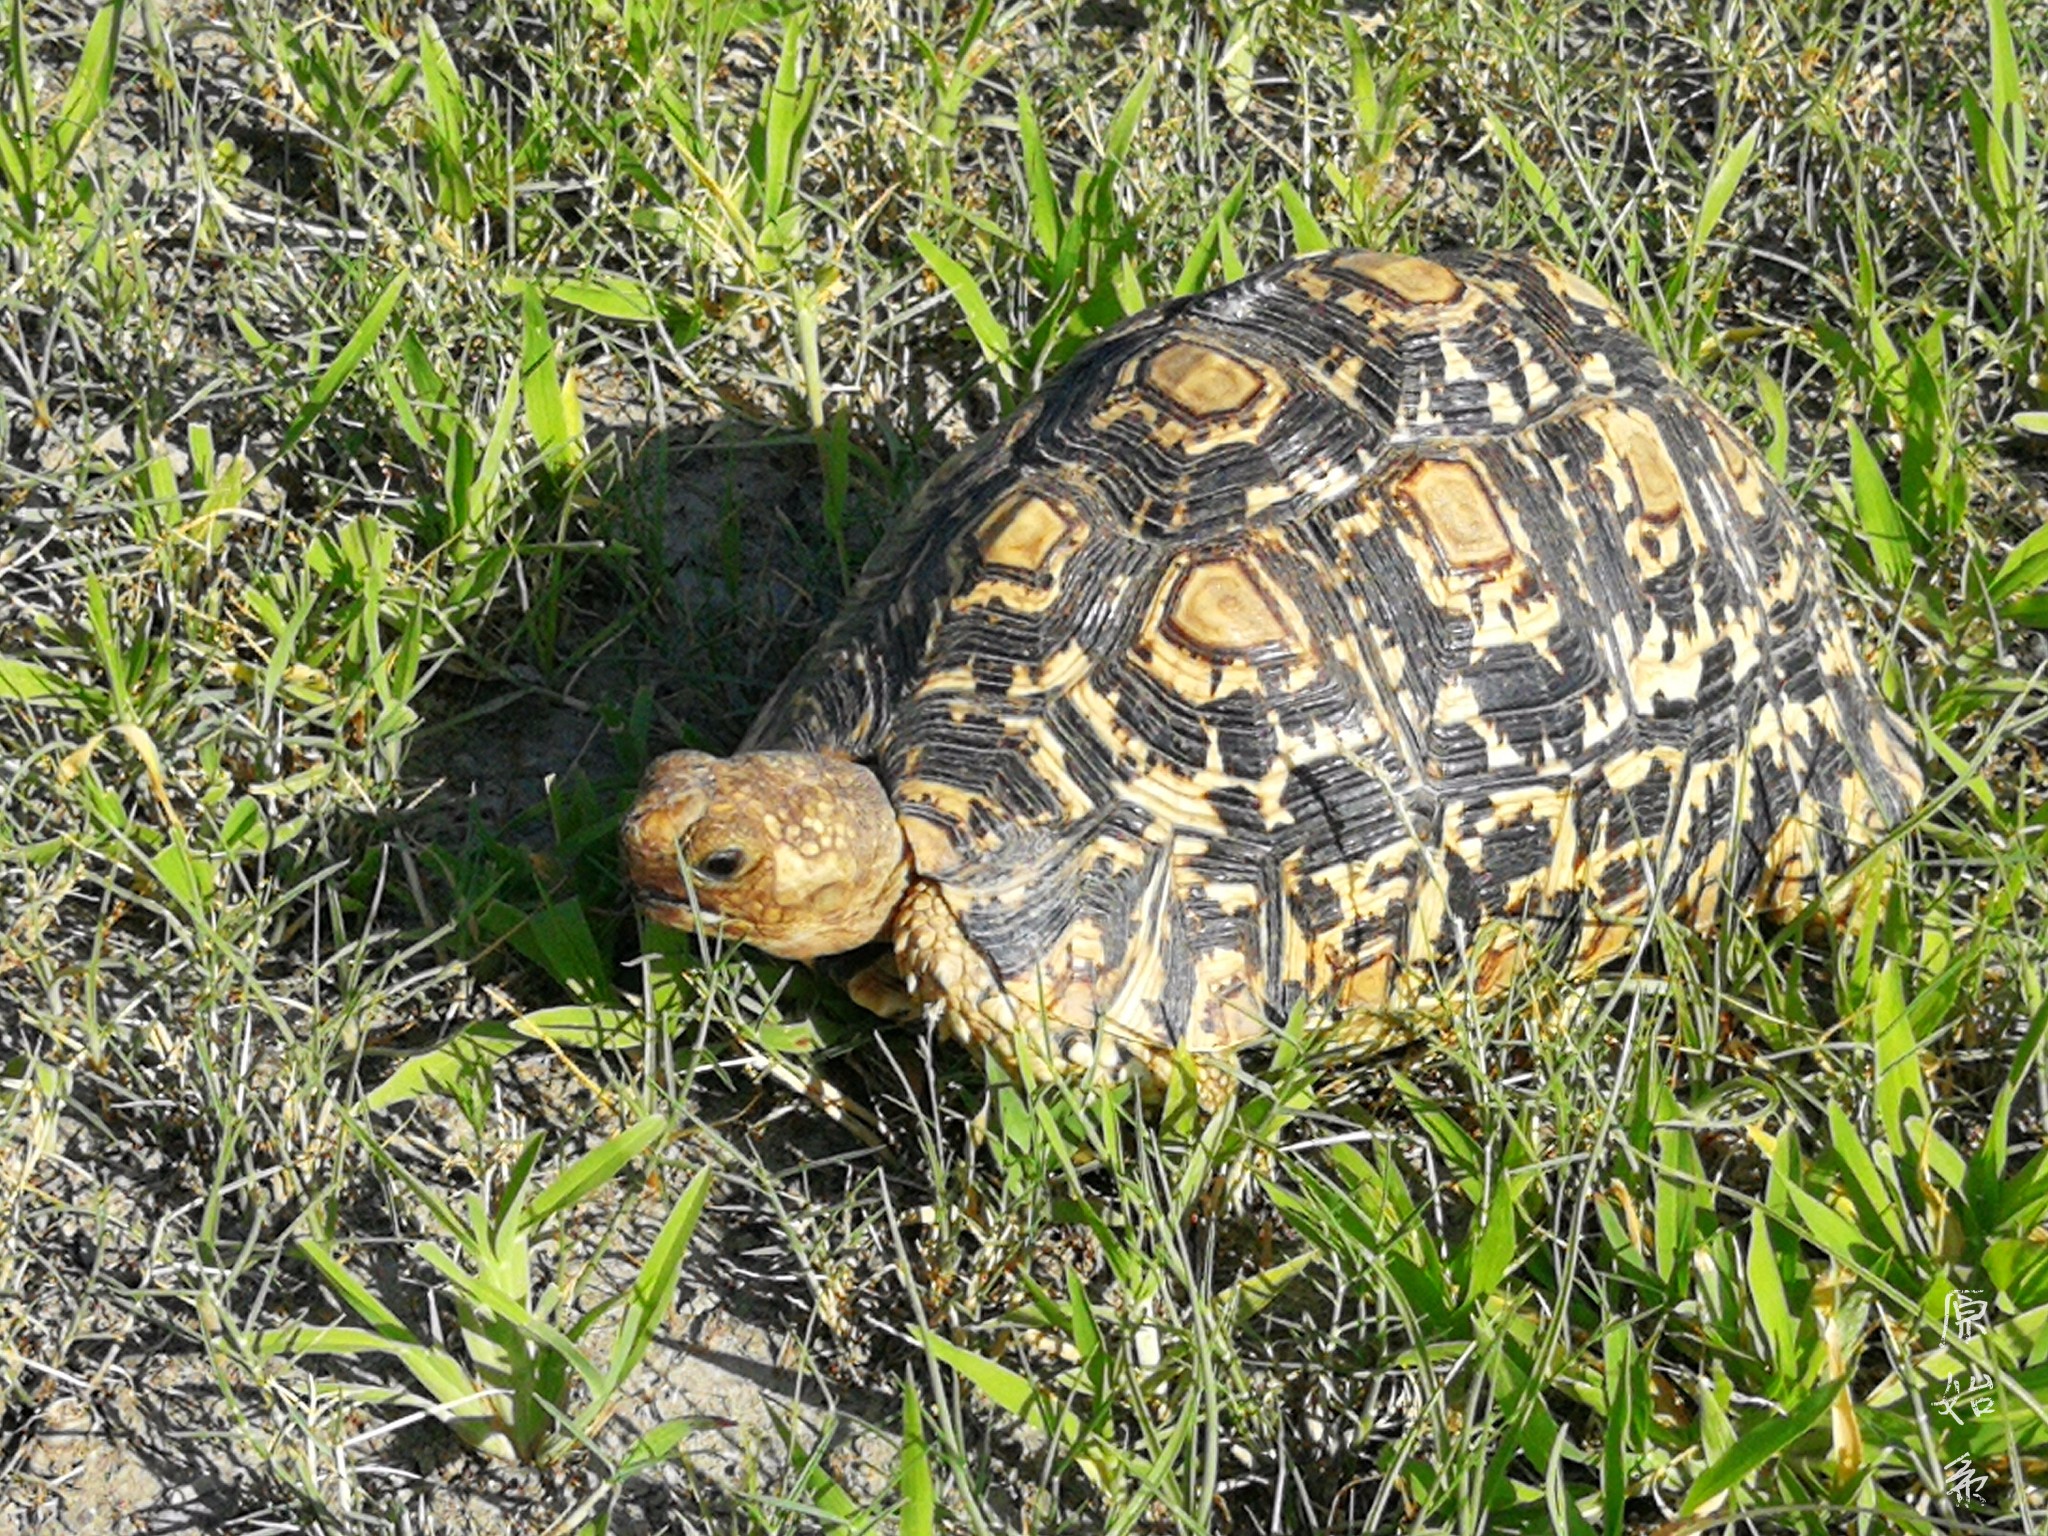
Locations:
{"points": [[1370, 625], [1458, 514], [1406, 279], [1224, 608], [1022, 532], [1200, 380]]}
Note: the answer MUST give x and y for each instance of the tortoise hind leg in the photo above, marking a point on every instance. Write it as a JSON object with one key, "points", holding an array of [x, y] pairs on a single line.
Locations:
{"points": [[1832, 846]]}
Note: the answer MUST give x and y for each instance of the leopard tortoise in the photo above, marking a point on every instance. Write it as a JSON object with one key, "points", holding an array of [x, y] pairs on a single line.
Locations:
{"points": [[1352, 631]]}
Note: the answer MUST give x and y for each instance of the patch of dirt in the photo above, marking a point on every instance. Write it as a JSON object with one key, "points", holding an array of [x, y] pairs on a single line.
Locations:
{"points": [[139, 1451], [124, 1431]]}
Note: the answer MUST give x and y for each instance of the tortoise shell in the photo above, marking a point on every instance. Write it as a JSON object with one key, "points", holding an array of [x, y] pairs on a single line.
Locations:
{"points": [[1368, 624]]}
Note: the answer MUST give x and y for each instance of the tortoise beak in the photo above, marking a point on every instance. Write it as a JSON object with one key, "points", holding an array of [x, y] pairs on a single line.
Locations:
{"points": [[673, 911], [664, 908]]}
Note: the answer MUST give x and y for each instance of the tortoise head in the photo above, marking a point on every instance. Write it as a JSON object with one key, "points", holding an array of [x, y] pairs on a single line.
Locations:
{"points": [[796, 853]]}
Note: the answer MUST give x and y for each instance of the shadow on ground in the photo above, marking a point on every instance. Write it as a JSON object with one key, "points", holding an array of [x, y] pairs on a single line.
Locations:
{"points": [[704, 572]]}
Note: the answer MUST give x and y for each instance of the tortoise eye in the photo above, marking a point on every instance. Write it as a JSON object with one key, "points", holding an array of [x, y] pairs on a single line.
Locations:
{"points": [[722, 865]]}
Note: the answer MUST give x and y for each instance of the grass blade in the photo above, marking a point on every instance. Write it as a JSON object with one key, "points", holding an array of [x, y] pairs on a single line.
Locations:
{"points": [[1309, 234], [2026, 568], [596, 1167], [1017, 1395], [358, 1296], [1534, 178], [1767, 1297], [654, 1288], [467, 1053], [1878, 514], [1042, 197], [1760, 1444], [85, 99], [440, 1373], [25, 682], [1720, 188], [785, 124], [2008, 169], [914, 1472], [1116, 144], [987, 330], [1194, 272], [604, 294], [552, 414], [336, 374], [448, 134], [660, 1442]]}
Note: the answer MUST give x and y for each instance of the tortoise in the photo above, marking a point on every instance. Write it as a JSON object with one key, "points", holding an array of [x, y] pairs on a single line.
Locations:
{"points": [[1343, 636]]}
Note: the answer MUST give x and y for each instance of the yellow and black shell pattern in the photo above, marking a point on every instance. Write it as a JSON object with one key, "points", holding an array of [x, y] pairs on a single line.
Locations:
{"points": [[1372, 619]]}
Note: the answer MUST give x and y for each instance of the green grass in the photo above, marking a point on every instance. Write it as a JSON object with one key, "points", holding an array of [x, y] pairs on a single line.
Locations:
{"points": [[412, 425]]}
